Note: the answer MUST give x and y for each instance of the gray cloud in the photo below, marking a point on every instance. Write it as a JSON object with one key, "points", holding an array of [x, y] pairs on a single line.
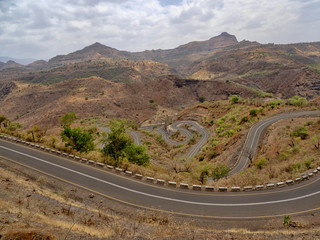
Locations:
{"points": [[43, 29]]}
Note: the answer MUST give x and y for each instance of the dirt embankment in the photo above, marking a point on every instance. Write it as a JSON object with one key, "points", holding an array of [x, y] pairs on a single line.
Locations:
{"points": [[35, 206]]}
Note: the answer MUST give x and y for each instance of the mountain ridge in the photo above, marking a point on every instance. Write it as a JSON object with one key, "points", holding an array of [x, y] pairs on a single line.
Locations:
{"points": [[180, 52]]}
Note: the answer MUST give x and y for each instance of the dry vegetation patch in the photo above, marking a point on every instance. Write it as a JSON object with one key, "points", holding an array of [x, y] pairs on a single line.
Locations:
{"points": [[33, 206]]}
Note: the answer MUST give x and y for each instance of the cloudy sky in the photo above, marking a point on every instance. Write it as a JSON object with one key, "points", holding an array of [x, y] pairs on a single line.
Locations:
{"points": [[42, 29]]}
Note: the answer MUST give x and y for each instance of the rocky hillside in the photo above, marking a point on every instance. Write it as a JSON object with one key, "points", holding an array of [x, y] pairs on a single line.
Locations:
{"points": [[283, 70], [10, 64], [173, 57], [42, 105], [121, 70], [99, 80]]}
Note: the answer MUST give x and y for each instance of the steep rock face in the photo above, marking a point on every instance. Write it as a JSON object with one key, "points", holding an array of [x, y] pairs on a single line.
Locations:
{"points": [[5, 89], [284, 70], [221, 41]]}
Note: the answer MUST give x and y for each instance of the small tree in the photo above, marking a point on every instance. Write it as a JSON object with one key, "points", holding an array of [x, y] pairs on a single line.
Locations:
{"points": [[118, 145], [78, 139], [34, 130], [13, 126], [235, 99], [220, 171], [301, 132], [253, 112], [204, 173], [68, 119], [117, 140], [297, 101], [316, 141], [137, 154], [261, 163], [2, 119], [202, 99]]}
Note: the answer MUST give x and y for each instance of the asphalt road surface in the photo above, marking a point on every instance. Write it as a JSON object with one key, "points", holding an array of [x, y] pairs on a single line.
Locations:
{"points": [[255, 133], [195, 148], [297, 199]]}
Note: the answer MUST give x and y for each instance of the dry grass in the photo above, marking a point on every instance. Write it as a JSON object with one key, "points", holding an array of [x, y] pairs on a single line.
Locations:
{"points": [[227, 132], [47, 209], [287, 157]]}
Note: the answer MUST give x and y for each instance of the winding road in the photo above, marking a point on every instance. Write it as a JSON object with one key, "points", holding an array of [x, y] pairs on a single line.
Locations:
{"points": [[195, 148], [252, 141], [291, 200]]}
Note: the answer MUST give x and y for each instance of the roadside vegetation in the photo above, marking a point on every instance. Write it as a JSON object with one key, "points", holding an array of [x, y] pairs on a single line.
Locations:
{"points": [[294, 149], [36, 207]]}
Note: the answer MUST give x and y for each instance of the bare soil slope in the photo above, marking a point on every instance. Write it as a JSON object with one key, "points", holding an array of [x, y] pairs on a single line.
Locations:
{"points": [[33, 206], [32, 104]]}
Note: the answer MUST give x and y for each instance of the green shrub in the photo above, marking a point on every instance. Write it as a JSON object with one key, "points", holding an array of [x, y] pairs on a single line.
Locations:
{"points": [[294, 149], [307, 163], [212, 154], [297, 101], [286, 221], [274, 103], [78, 139], [296, 167], [300, 131], [253, 112], [220, 171], [244, 119], [220, 121], [204, 173], [233, 119], [283, 156], [192, 141], [309, 123], [202, 99], [235, 99], [261, 163], [137, 154], [229, 133]]}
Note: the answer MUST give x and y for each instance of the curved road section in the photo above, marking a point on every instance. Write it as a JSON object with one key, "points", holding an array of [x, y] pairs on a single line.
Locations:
{"points": [[195, 148], [251, 144], [295, 199]]}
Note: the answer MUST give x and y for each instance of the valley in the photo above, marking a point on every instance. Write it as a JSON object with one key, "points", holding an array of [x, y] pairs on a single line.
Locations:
{"points": [[191, 110]]}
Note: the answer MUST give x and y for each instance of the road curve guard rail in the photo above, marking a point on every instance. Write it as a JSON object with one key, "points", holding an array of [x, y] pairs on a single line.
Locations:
{"points": [[172, 184]]}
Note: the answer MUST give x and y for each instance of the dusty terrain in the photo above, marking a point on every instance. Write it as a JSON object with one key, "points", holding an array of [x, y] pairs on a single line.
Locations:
{"points": [[99, 83], [40, 207], [32, 104]]}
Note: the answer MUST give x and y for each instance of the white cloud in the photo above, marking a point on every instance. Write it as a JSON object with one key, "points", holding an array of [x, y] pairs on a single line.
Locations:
{"points": [[45, 28]]}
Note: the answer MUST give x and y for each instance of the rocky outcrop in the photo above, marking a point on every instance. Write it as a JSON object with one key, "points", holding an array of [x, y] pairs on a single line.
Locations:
{"points": [[6, 88]]}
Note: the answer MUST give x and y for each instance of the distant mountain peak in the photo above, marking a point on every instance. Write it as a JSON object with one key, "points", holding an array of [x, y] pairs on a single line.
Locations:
{"points": [[225, 34], [97, 44]]}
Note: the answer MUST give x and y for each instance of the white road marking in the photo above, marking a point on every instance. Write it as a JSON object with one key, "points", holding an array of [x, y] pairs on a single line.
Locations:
{"points": [[267, 121], [165, 198]]}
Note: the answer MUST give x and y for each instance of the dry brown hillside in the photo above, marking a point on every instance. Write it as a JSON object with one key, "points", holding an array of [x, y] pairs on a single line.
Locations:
{"points": [[32, 104], [273, 69], [110, 69]]}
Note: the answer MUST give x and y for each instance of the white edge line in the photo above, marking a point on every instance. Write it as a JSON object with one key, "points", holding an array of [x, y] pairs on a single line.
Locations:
{"points": [[160, 197]]}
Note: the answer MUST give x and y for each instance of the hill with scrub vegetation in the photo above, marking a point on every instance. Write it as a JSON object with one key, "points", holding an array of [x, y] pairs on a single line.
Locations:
{"points": [[86, 102], [227, 122]]}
